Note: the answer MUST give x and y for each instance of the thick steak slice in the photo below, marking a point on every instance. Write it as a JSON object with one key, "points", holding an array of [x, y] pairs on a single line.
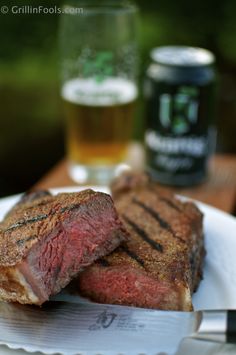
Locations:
{"points": [[46, 240], [160, 265]]}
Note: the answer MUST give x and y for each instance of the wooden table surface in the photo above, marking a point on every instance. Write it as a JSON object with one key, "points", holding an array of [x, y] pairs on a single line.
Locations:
{"points": [[219, 190]]}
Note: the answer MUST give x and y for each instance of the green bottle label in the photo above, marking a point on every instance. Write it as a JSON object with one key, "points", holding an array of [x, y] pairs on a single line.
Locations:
{"points": [[180, 135], [178, 112]]}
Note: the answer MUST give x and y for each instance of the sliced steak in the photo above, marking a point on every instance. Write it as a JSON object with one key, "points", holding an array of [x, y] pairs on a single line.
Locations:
{"points": [[161, 264], [46, 240]]}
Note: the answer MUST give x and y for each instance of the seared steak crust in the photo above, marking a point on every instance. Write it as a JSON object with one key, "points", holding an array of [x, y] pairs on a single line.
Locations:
{"points": [[161, 264], [46, 240], [30, 219]]}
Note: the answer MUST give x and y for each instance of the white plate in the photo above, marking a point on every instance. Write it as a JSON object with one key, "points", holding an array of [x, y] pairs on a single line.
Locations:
{"points": [[218, 288]]}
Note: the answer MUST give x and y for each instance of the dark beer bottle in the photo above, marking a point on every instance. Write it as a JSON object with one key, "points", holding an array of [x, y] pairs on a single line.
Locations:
{"points": [[180, 136]]}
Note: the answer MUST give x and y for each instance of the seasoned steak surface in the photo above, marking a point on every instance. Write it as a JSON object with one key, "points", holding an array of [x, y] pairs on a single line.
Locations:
{"points": [[32, 219], [46, 240], [161, 264]]}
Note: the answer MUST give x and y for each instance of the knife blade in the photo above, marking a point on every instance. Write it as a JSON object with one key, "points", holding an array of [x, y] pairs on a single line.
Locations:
{"points": [[89, 329]]}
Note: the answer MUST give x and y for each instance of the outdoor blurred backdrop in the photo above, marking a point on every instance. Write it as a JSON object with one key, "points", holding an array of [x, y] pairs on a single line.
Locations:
{"points": [[31, 114]]}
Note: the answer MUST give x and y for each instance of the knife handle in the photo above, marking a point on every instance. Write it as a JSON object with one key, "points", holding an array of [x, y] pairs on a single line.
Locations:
{"points": [[231, 327], [219, 326]]}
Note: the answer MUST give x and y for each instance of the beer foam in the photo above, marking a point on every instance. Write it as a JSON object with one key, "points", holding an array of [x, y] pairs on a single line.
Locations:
{"points": [[109, 92]]}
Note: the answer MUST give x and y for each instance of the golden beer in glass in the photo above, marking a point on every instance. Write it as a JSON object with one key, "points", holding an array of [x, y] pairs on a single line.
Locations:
{"points": [[99, 88]]}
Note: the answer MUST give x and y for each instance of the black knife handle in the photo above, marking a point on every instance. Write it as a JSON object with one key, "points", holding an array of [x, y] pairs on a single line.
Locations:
{"points": [[231, 327]]}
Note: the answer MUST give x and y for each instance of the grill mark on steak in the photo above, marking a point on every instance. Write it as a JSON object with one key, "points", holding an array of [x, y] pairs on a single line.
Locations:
{"points": [[154, 214], [132, 255], [163, 199], [41, 217], [69, 208], [26, 221], [22, 241], [165, 225], [155, 245], [170, 203], [55, 244]]}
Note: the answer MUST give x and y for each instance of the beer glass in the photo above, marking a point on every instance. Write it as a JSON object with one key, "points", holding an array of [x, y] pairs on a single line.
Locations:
{"points": [[99, 68]]}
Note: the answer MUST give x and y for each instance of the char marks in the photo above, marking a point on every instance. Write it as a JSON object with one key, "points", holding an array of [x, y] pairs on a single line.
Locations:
{"points": [[27, 221], [154, 214], [22, 241], [41, 217], [170, 203], [132, 255], [69, 208], [155, 245], [165, 225]]}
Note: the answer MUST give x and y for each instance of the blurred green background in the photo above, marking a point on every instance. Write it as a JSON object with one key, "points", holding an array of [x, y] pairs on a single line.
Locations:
{"points": [[31, 115]]}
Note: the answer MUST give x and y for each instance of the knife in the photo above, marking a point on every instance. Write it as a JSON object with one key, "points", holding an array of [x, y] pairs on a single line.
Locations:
{"points": [[89, 328]]}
